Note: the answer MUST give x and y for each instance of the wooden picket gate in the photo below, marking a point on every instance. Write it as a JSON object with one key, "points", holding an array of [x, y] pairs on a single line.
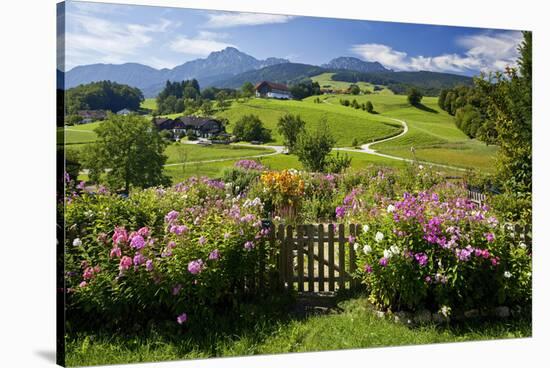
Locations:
{"points": [[315, 258]]}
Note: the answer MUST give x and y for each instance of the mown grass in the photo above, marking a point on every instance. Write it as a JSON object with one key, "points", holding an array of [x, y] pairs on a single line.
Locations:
{"points": [[149, 103], [344, 123], [325, 81], [354, 326]]}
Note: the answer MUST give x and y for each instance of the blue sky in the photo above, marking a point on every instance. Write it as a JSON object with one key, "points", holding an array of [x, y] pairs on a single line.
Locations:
{"points": [[165, 37]]}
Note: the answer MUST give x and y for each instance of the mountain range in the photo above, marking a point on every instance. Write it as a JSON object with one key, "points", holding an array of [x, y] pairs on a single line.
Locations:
{"points": [[228, 68]]}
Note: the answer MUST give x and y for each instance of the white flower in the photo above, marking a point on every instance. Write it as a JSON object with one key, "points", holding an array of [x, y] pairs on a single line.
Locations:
{"points": [[356, 246], [77, 242], [395, 249], [391, 208], [445, 311], [420, 167], [367, 249], [387, 253], [507, 274], [522, 245], [378, 237], [366, 228]]}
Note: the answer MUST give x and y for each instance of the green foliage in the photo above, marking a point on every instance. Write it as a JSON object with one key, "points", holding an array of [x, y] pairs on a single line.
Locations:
{"points": [[71, 120], [354, 89], [509, 107], [73, 163], [207, 107], [369, 107], [221, 100], [172, 99], [313, 148], [338, 163], [240, 179], [250, 128], [104, 95], [305, 89], [129, 151], [290, 127], [414, 97], [247, 89]]}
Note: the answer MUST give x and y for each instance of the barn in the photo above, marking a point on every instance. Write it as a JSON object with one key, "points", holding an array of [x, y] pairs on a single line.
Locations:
{"points": [[272, 90]]}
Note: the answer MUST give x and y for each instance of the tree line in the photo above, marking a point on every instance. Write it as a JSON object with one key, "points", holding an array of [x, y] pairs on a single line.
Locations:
{"points": [[103, 95]]}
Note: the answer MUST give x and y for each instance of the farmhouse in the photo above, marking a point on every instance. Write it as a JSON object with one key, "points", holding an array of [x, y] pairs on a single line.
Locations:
{"points": [[92, 115], [201, 127], [272, 90], [124, 112]]}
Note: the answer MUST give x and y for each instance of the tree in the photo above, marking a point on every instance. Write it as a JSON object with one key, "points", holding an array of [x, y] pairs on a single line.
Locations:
{"points": [[369, 107], [207, 107], [509, 107], [354, 89], [313, 148], [221, 99], [104, 95], [305, 88], [73, 119], [290, 127], [129, 151], [250, 128], [247, 89], [414, 96]]}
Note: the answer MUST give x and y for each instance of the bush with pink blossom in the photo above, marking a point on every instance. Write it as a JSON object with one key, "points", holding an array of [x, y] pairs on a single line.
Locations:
{"points": [[162, 252], [432, 251]]}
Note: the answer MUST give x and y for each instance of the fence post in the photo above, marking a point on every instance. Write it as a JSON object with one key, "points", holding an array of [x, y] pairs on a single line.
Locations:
{"points": [[331, 257], [341, 257], [300, 255], [289, 257], [321, 256], [282, 255], [310, 260]]}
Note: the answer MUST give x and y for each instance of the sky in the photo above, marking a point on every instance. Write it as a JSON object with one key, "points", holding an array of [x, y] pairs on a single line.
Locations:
{"points": [[163, 37]]}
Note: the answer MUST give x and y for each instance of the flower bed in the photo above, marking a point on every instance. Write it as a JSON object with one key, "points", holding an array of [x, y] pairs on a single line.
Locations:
{"points": [[438, 251], [183, 253]]}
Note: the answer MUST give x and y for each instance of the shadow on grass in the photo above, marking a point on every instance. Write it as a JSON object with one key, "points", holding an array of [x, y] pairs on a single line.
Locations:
{"points": [[426, 108]]}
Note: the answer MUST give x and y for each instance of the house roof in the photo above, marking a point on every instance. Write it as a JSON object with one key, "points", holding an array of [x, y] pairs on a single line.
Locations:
{"points": [[198, 122], [272, 85]]}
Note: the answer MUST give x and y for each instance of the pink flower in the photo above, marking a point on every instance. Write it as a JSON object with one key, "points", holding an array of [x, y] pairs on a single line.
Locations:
{"points": [[149, 265], [138, 259], [120, 235], [351, 239], [88, 273], [171, 216], [144, 231], [115, 252], [182, 318], [495, 261], [195, 267], [421, 258], [214, 255], [248, 245], [383, 262], [490, 237], [83, 284], [137, 242], [368, 268], [428, 279], [202, 240], [125, 263], [171, 244], [176, 289], [178, 229]]}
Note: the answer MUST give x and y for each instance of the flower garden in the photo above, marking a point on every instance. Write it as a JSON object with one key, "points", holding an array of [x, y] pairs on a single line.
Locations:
{"points": [[185, 255]]}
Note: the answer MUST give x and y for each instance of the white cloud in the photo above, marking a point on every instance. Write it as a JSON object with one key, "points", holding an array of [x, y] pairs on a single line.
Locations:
{"points": [[201, 45], [93, 39], [226, 20], [483, 52]]}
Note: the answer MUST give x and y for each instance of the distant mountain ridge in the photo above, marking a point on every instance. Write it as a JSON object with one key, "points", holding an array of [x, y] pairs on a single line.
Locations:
{"points": [[230, 68], [218, 65], [358, 65]]}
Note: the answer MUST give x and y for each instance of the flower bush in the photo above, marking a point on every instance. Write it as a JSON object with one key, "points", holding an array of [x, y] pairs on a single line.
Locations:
{"points": [[182, 252], [440, 253], [283, 190]]}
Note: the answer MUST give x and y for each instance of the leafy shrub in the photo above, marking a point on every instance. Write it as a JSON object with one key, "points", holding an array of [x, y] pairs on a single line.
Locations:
{"points": [[440, 253], [181, 253]]}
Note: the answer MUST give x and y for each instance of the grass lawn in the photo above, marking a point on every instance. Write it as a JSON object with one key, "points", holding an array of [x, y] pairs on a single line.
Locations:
{"points": [[432, 133], [83, 133], [325, 81], [344, 123], [354, 326], [149, 103]]}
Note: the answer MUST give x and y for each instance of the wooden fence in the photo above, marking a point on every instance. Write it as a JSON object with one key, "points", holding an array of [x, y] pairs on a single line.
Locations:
{"points": [[315, 258], [477, 197]]}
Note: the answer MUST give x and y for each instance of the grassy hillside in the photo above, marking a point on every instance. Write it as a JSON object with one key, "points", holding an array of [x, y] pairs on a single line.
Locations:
{"points": [[432, 133], [325, 81], [345, 123]]}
